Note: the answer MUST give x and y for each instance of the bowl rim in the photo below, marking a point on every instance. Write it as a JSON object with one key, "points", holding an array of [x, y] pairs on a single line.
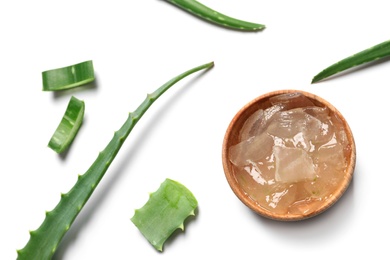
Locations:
{"points": [[227, 165]]}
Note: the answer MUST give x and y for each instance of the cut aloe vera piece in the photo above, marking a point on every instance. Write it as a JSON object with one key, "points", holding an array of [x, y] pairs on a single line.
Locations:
{"points": [[68, 77], [165, 211], [69, 126]]}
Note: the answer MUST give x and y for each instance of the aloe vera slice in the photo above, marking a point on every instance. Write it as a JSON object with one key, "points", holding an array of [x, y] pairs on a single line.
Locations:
{"points": [[44, 241], [68, 77], [206, 13], [374, 53], [165, 211], [69, 126]]}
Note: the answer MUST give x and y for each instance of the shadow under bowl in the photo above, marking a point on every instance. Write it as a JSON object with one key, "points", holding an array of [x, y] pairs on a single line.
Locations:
{"points": [[232, 138]]}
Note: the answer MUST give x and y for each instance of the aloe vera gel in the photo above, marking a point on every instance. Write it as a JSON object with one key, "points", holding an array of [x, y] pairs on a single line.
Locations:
{"points": [[291, 156]]}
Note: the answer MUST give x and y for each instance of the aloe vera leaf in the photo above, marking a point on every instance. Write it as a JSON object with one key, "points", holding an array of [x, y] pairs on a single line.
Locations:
{"points": [[374, 53], [69, 126], [68, 77], [213, 16], [43, 241], [164, 212]]}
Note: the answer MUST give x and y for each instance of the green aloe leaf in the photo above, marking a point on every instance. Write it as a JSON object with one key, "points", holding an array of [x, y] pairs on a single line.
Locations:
{"points": [[165, 211], [69, 126], [68, 77], [44, 241], [376, 52], [208, 14]]}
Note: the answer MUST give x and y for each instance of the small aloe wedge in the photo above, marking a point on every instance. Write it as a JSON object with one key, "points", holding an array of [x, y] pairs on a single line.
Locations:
{"points": [[206, 13], [165, 211], [69, 126], [68, 77], [376, 52], [44, 241]]}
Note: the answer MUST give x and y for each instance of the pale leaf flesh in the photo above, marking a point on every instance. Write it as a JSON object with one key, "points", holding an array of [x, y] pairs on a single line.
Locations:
{"points": [[164, 212]]}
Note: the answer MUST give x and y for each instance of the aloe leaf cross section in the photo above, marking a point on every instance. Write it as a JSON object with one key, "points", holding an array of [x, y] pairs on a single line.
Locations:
{"points": [[69, 126]]}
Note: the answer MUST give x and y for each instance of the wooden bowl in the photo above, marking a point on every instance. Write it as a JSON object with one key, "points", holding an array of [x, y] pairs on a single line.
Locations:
{"points": [[232, 138]]}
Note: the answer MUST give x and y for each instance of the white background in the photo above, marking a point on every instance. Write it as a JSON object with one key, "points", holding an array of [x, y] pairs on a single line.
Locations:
{"points": [[136, 46]]}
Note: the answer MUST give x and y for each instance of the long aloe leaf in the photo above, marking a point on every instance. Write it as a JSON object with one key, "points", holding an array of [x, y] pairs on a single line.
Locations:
{"points": [[165, 211], [68, 77], [44, 241], [206, 13], [69, 125], [374, 53]]}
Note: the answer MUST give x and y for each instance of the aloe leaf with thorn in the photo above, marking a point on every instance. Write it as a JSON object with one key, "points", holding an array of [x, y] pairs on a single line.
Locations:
{"points": [[376, 52], [206, 13], [44, 241]]}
